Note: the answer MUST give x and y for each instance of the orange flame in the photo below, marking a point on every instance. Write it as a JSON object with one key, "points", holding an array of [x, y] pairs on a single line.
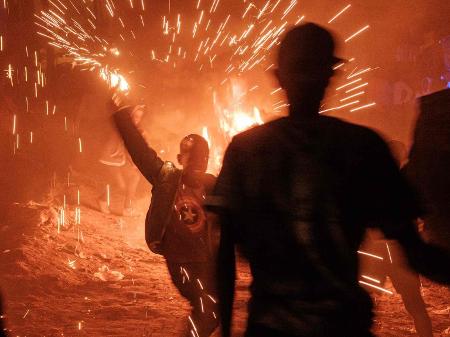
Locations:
{"points": [[231, 120], [114, 79]]}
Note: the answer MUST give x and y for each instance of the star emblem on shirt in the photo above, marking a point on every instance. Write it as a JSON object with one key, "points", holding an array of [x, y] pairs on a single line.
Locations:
{"points": [[188, 214]]}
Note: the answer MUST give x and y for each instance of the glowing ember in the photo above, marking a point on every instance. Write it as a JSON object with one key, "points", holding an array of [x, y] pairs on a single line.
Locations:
{"points": [[376, 287], [114, 80], [232, 120]]}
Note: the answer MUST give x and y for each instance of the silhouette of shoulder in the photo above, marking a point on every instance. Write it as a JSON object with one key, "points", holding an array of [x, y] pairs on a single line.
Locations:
{"points": [[326, 129], [209, 181]]}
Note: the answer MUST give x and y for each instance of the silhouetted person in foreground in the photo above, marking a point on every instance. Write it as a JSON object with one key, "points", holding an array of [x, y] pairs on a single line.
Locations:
{"points": [[176, 225], [297, 194]]}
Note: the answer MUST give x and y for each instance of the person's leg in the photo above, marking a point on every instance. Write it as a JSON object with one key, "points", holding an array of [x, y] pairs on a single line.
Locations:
{"points": [[115, 175], [193, 284], [206, 313], [119, 179], [407, 283], [133, 177], [371, 266]]}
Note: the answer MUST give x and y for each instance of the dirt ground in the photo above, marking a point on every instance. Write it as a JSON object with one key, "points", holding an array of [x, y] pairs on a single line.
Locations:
{"points": [[97, 278]]}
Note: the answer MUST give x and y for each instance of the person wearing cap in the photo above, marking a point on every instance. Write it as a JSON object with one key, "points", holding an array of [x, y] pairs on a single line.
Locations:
{"points": [[176, 225], [296, 195]]}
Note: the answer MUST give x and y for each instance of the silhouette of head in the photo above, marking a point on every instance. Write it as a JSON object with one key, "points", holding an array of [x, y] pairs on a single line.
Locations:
{"points": [[194, 153], [305, 66]]}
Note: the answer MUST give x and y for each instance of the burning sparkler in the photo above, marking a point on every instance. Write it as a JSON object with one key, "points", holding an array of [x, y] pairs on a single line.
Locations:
{"points": [[248, 39]]}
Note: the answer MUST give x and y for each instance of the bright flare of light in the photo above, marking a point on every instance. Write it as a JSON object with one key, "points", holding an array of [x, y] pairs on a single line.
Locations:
{"points": [[114, 79], [376, 287], [371, 279], [363, 107], [357, 33], [233, 119], [370, 255], [108, 199], [205, 134], [240, 121], [339, 13]]}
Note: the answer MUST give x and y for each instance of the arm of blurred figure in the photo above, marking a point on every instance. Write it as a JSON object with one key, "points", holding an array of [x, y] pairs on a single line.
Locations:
{"points": [[223, 202], [394, 208], [226, 273], [431, 261], [143, 156]]}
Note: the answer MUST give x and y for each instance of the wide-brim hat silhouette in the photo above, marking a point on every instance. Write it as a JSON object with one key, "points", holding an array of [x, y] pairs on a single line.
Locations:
{"points": [[307, 48]]}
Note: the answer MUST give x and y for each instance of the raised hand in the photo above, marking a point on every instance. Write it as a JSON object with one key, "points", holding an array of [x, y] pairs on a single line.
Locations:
{"points": [[119, 99]]}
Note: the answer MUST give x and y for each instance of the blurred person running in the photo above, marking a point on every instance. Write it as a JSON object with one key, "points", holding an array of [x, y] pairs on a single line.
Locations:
{"points": [[394, 263]]}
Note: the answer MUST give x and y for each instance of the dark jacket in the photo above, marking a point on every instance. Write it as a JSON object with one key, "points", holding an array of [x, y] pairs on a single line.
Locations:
{"points": [[298, 196], [164, 177]]}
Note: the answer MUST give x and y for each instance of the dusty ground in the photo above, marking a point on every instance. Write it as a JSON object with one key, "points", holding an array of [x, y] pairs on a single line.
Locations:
{"points": [[52, 282]]}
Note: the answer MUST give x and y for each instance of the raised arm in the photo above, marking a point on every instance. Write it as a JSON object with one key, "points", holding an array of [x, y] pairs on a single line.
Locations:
{"points": [[143, 156]]}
